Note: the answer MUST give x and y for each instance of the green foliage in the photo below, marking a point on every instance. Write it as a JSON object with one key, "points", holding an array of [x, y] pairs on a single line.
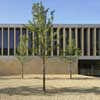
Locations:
{"points": [[71, 49], [41, 24], [22, 48], [22, 51], [71, 52]]}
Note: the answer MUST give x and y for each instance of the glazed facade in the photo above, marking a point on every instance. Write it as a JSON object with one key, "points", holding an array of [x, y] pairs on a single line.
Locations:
{"points": [[86, 36]]}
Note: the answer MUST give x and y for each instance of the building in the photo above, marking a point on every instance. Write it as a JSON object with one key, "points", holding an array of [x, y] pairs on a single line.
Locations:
{"points": [[86, 36]]}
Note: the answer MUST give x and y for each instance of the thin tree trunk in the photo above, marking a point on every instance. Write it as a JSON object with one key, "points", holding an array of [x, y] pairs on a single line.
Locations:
{"points": [[44, 87], [70, 69], [22, 72]]}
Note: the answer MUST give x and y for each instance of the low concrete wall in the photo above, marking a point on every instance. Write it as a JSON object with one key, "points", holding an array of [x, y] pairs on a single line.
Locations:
{"points": [[33, 65]]}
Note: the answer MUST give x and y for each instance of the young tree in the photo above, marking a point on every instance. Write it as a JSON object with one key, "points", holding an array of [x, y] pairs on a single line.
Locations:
{"points": [[22, 51], [41, 25], [71, 54]]}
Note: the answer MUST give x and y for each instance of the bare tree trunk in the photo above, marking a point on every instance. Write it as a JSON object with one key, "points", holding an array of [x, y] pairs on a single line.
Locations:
{"points": [[22, 72], [70, 68], [44, 87]]}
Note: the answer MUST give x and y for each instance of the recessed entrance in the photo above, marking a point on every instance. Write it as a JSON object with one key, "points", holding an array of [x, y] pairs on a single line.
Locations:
{"points": [[89, 67]]}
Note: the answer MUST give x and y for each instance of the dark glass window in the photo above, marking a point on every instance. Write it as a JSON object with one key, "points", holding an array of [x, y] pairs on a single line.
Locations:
{"points": [[36, 44], [91, 41], [67, 36], [85, 41], [17, 37], [61, 41], [79, 38], [73, 34], [30, 43], [0, 40], [55, 41], [98, 41], [11, 41], [5, 41], [24, 31]]}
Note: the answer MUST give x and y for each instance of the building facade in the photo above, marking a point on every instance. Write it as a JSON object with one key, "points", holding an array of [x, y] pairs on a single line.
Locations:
{"points": [[86, 36]]}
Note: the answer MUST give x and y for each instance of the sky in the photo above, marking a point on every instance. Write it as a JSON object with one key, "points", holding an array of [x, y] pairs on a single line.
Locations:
{"points": [[66, 11]]}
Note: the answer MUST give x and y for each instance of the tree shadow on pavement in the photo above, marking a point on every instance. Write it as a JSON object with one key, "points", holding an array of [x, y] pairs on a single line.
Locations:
{"points": [[33, 90]]}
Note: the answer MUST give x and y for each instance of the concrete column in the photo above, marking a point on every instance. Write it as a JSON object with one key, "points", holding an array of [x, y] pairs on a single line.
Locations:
{"points": [[33, 44], [27, 41], [39, 46], [70, 36], [64, 41], [14, 41], [46, 52], [82, 41], [2, 42], [20, 31], [51, 41], [94, 49], [58, 41], [8, 40], [88, 41], [76, 37]]}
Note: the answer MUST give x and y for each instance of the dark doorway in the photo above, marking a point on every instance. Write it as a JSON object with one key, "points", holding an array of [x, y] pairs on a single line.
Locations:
{"points": [[89, 67]]}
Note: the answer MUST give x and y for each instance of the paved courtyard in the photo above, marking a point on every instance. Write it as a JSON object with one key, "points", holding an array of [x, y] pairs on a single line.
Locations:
{"points": [[59, 87]]}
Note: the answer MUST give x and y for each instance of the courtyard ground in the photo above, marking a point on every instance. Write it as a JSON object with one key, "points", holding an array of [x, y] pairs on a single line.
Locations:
{"points": [[59, 87]]}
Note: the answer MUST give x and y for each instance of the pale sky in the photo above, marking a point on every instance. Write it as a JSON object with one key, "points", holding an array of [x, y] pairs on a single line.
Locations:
{"points": [[66, 11]]}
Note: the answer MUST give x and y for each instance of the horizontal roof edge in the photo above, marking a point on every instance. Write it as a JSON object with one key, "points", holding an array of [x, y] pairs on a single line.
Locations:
{"points": [[55, 25]]}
